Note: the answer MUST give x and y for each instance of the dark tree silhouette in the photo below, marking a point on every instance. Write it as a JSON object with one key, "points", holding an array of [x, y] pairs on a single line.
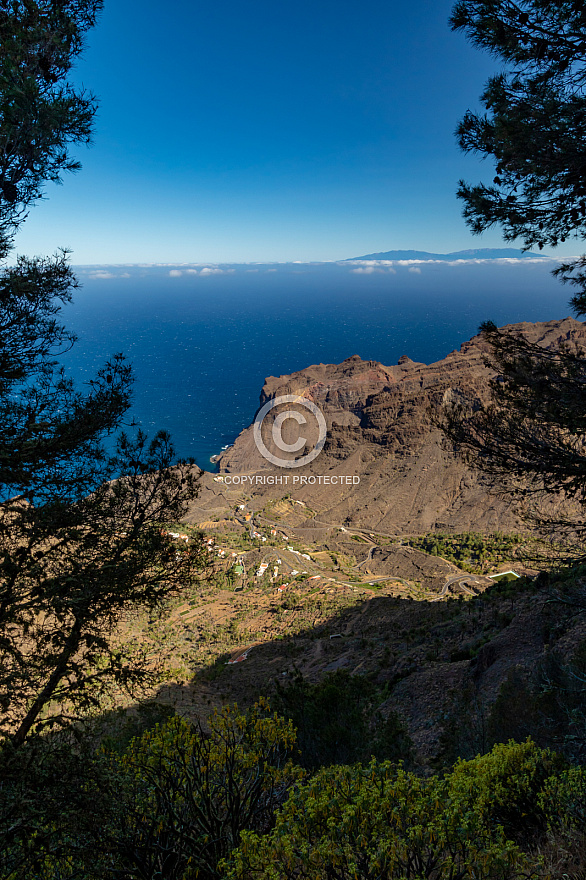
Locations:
{"points": [[81, 542], [533, 431], [534, 128]]}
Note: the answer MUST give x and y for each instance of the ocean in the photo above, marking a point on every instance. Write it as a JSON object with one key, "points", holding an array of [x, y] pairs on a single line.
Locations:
{"points": [[202, 339]]}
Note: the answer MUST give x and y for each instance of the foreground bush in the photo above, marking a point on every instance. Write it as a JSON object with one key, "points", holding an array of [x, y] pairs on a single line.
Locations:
{"points": [[180, 803], [376, 821], [188, 793], [505, 788]]}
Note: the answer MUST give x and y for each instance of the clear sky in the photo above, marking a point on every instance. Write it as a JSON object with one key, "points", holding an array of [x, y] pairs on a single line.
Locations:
{"points": [[234, 131]]}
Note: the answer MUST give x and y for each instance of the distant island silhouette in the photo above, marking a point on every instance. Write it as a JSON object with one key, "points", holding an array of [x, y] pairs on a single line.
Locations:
{"points": [[472, 254]]}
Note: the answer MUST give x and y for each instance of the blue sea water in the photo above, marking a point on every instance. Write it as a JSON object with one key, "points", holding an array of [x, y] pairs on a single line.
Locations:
{"points": [[202, 342]]}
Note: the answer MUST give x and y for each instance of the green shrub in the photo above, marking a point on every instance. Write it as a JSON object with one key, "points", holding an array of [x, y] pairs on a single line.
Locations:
{"points": [[563, 799], [504, 787], [186, 794], [469, 550], [375, 821]]}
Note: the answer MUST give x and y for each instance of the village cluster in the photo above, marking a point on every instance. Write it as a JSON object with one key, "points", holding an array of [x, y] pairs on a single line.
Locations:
{"points": [[238, 569]]}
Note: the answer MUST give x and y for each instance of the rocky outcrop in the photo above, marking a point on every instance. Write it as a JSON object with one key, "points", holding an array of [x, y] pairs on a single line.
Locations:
{"points": [[380, 429]]}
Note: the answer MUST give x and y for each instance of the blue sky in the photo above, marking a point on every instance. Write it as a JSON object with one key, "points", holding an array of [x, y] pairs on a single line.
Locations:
{"points": [[257, 131]]}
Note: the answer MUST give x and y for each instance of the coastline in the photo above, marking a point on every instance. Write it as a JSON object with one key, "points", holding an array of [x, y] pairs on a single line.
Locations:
{"points": [[214, 459]]}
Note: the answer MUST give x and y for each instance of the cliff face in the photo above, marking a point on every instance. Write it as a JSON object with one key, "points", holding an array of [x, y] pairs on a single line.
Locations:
{"points": [[380, 429]]}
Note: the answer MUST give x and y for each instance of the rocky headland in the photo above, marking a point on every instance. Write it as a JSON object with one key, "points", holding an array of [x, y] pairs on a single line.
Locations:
{"points": [[381, 428]]}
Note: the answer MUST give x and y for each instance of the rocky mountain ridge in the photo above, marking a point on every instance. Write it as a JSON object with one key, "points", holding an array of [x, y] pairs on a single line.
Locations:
{"points": [[381, 429]]}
